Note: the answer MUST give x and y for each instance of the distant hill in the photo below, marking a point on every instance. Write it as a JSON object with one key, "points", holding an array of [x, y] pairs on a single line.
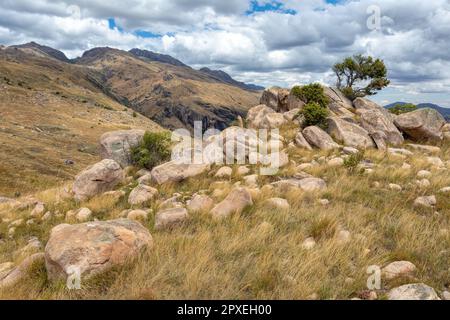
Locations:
{"points": [[33, 46], [153, 56], [444, 111], [225, 77]]}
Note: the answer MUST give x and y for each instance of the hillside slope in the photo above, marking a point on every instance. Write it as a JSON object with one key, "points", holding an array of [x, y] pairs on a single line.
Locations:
{"points": [[173, 96], [51, 115]]}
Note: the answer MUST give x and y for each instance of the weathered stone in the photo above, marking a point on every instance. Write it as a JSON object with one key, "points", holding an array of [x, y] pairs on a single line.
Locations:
{"points": [[278, 203], [270, 98], [236, 201], [137, 215], [256, 115], [80, 215], [116, 145], [14, 276], [336, 162], [423, 174], [242, 171], [435, 161], [426, 201], [375, 119], [38, 210], [349, 133], [319, 138], [301, 142], [99, 178], [424, 148], [395, 187], [421, 124], [309, 243], [141, 194], [414, 291], [398, 269], [200, 203], [224, 172], [93, 247], [350, 150], [399, 151], [170, 217], [174, 172], [294, 103], [308, 184]]}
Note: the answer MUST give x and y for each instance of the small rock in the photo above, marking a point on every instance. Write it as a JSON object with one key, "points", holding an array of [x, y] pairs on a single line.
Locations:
{"points": [[399, 151], [141, 194], [38, 210], [395, 187], [343, 236], [398, 269], [426, 201], [446, 295], [137, 215], [350, 150], [445, 190], [236, 201], [423, 174], [278, 203], [424, 183], [251, 180], [200, 203], [21, 272], [170, 217], [336, 162], [435, 161], [145, 179], [309, 243], [224, 172], [414, 291], [324, 202], [243, 170], [405, 166]]}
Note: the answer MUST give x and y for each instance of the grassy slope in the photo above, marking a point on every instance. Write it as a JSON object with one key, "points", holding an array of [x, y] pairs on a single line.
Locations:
{"points": [[258, 254], [49, 113]]}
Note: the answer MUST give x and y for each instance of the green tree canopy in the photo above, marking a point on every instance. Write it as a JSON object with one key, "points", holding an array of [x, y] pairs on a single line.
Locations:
{"points": [[360, 76]]}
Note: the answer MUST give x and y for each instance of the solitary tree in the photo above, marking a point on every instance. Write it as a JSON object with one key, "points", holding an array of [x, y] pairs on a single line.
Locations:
{"points": [[403, 108], [360, 76]]}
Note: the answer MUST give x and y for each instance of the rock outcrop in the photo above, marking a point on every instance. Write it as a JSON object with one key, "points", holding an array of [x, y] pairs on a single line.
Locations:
{"points": [[378, 121], [422, 124]]}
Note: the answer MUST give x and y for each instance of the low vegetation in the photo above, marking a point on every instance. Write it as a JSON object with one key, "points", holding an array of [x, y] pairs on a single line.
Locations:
{"points": [[314, 115], [402, 108], [153, 150]]}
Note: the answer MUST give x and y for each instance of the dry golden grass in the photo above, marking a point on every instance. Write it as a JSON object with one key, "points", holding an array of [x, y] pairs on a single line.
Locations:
{"points": [[258, 254], [49, 113]]}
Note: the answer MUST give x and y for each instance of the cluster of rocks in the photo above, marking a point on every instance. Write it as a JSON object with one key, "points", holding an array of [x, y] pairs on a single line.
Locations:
{"points": [[359, 124]]}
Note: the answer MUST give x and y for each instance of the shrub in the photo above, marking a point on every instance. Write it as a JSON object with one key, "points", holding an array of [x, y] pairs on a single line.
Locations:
{"points": [[311, 93], [352, 161], [314, 115], [134, 114], [153, 150], [402, 108]]}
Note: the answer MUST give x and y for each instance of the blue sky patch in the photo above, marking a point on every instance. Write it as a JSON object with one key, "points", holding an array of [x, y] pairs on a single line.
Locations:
{"points": [[268, 6]]}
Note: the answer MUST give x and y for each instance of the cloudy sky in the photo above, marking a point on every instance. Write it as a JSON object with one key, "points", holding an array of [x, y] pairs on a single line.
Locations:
{"points": [[265, 42]]}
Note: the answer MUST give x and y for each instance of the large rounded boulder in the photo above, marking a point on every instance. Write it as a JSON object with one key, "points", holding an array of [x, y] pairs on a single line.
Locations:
{"points": [[96, 179], [422, 124], [91, 248]]}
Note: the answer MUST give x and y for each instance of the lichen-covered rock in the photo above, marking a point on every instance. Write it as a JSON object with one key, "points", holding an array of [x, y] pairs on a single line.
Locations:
{"points": [[93, 247], [301, 142], [413, 291], [141, 194], [398, 269], [200, 203]]}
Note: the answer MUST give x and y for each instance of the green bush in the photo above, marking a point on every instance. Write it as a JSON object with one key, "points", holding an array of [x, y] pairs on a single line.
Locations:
{"points": [[311, 93], [153, 150], [314, 115], [402, 108], [352, 161]]}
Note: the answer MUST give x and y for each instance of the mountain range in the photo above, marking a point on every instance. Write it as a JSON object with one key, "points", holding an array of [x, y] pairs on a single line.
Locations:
{"points": [[53, 109], [444, 111]]}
